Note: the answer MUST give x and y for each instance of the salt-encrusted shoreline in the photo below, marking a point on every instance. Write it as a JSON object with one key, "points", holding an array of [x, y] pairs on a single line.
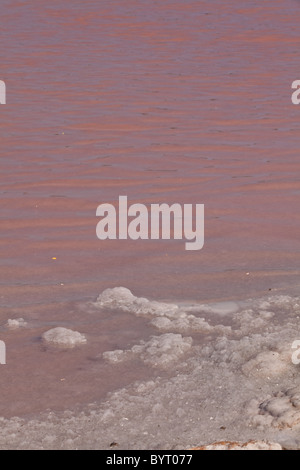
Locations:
{"points": [[221, 375]]}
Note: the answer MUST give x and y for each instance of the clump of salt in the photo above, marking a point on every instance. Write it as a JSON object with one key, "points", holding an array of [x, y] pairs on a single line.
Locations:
{"points": [[63, 337], [159, 351], [268, 364], [282, 410], [121, 298], [15, 323]]}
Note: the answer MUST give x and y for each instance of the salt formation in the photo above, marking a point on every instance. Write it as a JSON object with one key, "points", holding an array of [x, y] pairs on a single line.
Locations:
{"points": [[63, 337], [15, 323], [268, 364], [184, 323], [282, 410], [159, 351], [121, 298], [220, 308], [167, 317], [220, 374]]}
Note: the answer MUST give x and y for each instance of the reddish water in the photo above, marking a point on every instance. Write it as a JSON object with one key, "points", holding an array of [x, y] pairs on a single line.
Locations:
{"points": [[186, 102]]}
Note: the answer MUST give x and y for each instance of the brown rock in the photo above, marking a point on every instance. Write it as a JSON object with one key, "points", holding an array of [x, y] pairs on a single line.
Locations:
{"points": [[231, 445]]}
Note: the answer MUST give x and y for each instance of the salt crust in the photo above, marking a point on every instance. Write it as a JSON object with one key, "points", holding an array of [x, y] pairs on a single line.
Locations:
{"points": [[252, 345], [159, 351], [167, 317], [121, 298], [63, 337], [282, 410], [240, 384], [15, 323]]}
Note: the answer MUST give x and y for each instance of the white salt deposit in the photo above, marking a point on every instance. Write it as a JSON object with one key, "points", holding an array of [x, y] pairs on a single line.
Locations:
{"points": [[211, 377], [185, 323], [116, 356], [160, 351], [63, 337], [282, 410], [221, 308], [167, 317], [269, 364], [15, 323], [120, 298]]}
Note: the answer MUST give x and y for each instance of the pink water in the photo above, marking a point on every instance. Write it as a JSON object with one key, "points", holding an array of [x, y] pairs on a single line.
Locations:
{"points": [[186, 102]]}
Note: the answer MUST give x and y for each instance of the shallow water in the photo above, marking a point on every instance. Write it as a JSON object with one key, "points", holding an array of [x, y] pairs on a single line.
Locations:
{"points": [[170, 102]]}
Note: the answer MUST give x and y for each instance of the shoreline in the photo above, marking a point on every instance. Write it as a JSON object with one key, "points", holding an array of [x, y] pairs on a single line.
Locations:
{"points": [[222, 371]]}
